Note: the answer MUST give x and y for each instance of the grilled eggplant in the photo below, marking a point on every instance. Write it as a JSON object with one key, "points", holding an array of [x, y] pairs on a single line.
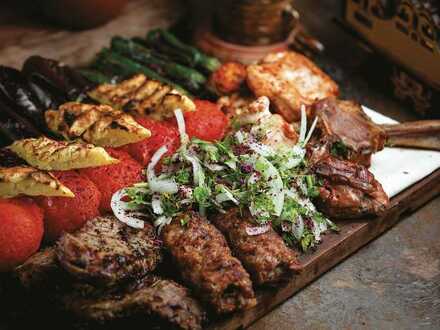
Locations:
{"points": [[143, 96], [98, 124], [69, 83], [30, 181], [13, 129], [16, 94], [47, 154]]}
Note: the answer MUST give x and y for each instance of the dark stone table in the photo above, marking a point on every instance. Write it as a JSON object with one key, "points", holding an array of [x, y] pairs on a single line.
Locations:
{"points": [[392, 283]]}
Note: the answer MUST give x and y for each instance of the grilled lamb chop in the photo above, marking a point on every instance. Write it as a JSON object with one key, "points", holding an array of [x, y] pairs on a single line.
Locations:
{"points": [[265, 256], [349, 190], [289, 80], [149, 299], [207, 264], [348, 130], [106, 251]]}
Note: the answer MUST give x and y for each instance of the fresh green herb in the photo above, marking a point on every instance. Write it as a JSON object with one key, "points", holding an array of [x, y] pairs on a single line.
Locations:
{"points": [[274, 185], [339, 149]]}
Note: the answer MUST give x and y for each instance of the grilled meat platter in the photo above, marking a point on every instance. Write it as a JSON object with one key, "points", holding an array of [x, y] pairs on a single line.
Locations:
{"points": [[163, 186]]}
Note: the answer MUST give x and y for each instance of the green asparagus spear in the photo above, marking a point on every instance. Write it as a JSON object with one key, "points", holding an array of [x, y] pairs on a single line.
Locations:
{"points": [[197, 58], [187, 76], [108, 60], [95, 76]]}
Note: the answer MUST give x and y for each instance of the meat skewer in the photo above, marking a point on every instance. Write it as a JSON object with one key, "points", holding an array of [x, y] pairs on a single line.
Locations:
{"points": [[153, 298], [206, 264], [265, 256], [107, 251]]}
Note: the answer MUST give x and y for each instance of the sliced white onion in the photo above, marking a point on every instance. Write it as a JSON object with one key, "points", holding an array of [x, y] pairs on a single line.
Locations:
{"points": [[253, 231], [215, 167], [312, 128], [181, 126], [262, 149], [276, 189], [156, 204], [239, 136], [298, 228], [155, 184], [225, 195], [161, 222], [163, 186], [123, 212], [303, 127], [198, 174]]}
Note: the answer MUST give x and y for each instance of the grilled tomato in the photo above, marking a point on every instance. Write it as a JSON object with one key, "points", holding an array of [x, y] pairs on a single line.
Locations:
{"points": [[66, 214], [112, 178], [21, 231]]}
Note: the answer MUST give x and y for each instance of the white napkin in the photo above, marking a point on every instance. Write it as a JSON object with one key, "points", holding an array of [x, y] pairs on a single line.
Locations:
{"points": [[397, 168]]}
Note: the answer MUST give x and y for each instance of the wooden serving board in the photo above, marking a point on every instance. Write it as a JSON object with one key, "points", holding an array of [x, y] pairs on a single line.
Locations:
{"points": [[336, 247]]}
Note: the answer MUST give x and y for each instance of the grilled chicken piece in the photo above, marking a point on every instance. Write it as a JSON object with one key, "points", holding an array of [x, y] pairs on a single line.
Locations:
{"points": [[276, 131], [142, 96], [47, 154], [150, 299], [349, 190], [30, 181], [41, 271], [100, 125], [228, 78], [349, 131], [207, 265], [107, 251], [290, 80], [265, 256]]}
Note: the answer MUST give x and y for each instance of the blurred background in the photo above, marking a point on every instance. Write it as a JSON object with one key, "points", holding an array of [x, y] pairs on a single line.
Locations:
{"points": [[392, 44]]}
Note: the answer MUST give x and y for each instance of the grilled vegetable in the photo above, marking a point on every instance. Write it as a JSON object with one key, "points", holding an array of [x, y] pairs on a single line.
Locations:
{"points": [[15, 92], [190, 78], [47, 154], [174, 47], [143, 96], [95, 76], [98, 124], [13, 127], [62, 78], [48, 95], [30, 181], [109, 61]]}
